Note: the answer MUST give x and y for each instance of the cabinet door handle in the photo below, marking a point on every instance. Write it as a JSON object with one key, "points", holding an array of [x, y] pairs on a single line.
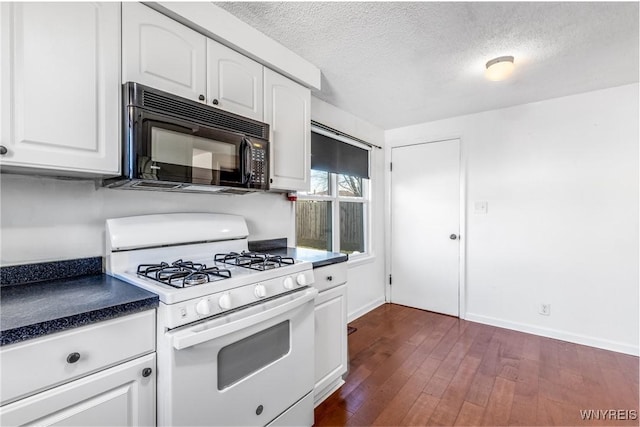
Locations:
{"points": [[3, 150], [201, 97], [214, 102], [73, 357], [146, 372], [329, 278]]}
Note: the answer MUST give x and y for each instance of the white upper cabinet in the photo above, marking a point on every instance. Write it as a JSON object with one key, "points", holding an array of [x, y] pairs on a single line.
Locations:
{"points": [[162, 53], [234, 82], [60, 86], [286, 110]]}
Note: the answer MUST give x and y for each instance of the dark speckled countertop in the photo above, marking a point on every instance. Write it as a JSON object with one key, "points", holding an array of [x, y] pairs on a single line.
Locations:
{"points": [[31, 310], [316, 257]]}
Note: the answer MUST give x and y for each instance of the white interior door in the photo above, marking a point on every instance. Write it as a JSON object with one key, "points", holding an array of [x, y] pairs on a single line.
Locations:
{"points": [[425, 226]]}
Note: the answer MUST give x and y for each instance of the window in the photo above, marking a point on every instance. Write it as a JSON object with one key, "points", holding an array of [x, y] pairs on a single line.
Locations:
{"points": [[333, 215]]}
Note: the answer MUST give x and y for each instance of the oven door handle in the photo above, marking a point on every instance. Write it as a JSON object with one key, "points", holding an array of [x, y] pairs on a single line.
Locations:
{"points": [[190, 337]]}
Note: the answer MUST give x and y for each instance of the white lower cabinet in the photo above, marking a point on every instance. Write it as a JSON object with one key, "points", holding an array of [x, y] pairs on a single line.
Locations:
{"points": [[102, 374], [331, 354], [119, 396]]}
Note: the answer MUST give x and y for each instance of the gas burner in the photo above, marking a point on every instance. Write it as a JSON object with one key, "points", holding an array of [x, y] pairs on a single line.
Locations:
{"points": [[254, 260], [181, 274]]}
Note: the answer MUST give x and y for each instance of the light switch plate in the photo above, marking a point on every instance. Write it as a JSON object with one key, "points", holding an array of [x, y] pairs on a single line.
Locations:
{"points": [[480, 208]]}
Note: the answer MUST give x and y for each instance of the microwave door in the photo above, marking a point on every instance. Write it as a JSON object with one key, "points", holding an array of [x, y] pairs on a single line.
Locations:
{"points": [[190, 154]]}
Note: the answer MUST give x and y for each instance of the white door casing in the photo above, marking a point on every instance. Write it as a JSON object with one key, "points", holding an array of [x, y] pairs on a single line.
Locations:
{"points": [[425, 215]]}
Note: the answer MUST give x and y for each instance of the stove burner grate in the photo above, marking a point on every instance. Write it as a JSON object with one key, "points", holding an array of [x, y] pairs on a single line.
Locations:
{"points": [[181, 274], [254, 260]]}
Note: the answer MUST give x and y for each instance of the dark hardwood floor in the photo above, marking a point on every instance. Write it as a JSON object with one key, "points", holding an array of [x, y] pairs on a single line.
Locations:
{"points": [[417, 368]]}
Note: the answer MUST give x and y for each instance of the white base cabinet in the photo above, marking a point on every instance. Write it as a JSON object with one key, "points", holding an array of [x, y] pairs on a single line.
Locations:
{"points": [[103, 374], [331, 353], [60, 87], [119, 396]]}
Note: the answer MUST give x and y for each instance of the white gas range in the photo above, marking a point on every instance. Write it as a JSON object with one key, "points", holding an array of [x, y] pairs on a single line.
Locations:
{"points": [[234, 329]]}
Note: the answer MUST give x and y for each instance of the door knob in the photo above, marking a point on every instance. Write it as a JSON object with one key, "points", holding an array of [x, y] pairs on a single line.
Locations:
{"points": [[453, 237]]}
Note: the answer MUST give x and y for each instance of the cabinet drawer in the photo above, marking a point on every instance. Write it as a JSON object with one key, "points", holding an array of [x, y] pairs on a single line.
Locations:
{"points": [[330, 276], [42, 363]]}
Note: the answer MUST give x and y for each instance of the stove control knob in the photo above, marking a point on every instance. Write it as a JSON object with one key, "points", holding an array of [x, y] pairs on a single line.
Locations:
{"points": [[288, 283], [225, 302], [260, 291], [301, 279], [203, 308]]}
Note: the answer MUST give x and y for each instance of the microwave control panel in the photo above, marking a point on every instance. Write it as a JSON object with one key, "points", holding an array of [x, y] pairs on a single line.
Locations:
{"points": [[258, 166]]}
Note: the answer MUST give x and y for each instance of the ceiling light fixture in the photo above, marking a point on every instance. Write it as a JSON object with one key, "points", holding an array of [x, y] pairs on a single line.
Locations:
{"points": [[499, 68]]}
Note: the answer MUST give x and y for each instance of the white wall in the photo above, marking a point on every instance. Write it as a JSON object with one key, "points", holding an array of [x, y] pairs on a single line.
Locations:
{"points": [[561, 180], [45, 219], [365, 289]]}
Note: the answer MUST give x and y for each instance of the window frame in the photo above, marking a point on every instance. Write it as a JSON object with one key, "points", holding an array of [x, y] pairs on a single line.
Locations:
{"points": [[335, 199]]}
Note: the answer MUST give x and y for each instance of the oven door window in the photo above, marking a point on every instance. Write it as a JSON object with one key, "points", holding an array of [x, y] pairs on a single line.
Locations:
{"points": [[242, 358], [199, 156]]}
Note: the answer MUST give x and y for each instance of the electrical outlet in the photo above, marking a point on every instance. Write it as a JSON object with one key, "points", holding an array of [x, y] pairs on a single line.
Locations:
{"points": [[545, 309]]}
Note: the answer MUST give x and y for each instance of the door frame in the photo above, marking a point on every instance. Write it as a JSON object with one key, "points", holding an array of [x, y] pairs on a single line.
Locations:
{"points": [[462, 259]]}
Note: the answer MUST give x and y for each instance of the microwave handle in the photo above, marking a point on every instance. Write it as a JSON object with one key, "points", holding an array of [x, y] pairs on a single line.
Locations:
{"points": [[247, 154]]}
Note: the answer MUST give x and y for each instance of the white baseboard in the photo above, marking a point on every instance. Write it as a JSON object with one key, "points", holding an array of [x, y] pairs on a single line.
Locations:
{"points": [[557, 334], [327, 392], [365, 309]]}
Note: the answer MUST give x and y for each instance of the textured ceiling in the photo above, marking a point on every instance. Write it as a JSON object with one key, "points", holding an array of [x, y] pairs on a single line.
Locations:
{"points": [[401, 63]]}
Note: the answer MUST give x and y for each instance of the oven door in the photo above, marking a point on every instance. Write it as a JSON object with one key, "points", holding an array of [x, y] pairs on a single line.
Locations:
{"points": [[164, 148], [242, 369]]}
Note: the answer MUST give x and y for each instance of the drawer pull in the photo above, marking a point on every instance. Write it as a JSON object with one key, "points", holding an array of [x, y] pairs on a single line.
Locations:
{"points": [[73, 357], [146, 372], [329, 278]]}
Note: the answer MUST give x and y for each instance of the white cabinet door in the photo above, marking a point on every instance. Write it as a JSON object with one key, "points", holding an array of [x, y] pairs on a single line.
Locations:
{"points": [[120, 396], [286, 110], [234, 82], [46, 358], [162, 53], [60, 78], [330, 341]]}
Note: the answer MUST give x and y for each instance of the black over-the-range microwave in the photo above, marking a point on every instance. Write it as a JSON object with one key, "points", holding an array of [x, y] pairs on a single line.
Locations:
{"points": [[174, 144]]}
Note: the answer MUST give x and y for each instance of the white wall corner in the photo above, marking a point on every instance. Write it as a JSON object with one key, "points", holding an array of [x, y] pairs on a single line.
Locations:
{"points": [[361, 311]]}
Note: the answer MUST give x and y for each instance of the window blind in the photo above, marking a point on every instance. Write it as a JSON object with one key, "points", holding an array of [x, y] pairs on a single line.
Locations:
{"points": [[331, 155]]}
